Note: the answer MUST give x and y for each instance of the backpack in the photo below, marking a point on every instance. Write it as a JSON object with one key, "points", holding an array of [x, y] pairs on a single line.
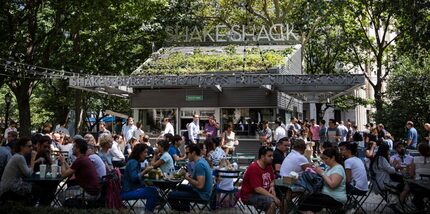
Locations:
{"points": [[112, 188], [311, 182]]}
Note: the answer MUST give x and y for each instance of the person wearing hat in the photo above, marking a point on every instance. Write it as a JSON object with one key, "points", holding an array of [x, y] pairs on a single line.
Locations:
{"points": [[412, 136]]}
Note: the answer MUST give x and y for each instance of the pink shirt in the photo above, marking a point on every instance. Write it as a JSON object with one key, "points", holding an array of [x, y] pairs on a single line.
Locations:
{"points": [[315, 130]]}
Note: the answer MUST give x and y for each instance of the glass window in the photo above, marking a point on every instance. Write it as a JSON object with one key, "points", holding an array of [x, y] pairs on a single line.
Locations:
{"points": [[152, 120], [246, 121]]}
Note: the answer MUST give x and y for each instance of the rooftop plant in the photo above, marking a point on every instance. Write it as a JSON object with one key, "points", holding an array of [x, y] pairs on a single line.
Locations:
{"points": [[221, 61]]}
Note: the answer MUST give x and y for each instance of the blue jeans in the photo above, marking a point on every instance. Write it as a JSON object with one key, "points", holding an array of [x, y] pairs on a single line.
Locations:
{"points": [[180, 200], [148, 193]]}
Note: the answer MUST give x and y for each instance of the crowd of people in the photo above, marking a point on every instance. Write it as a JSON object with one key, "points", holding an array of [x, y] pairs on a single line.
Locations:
{"points": [[344, 157]]}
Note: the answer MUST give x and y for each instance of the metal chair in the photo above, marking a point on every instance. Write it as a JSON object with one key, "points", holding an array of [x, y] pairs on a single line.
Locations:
{"points": [[229, 174], [357, 199]]}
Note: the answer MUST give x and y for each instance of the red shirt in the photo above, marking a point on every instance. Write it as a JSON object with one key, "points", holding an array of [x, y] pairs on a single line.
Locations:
{"points": [[254, 177], [86, 175]]}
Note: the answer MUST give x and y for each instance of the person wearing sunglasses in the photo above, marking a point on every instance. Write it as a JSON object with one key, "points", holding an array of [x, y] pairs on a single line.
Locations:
{"points": [[16, 169]]}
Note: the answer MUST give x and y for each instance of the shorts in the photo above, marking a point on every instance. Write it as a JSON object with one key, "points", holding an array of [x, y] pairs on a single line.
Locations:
{"points": [[260, 201]]}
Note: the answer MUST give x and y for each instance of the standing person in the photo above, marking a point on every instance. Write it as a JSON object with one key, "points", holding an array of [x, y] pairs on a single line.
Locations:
{"points": [[200, 181], [103, 129], [323, 132], [412, 136], [294, 126], [343, 131], [266, 135], [194, 129], [279, 131], [427, 128], [333, 133], [281, 151], [138, 132], [168, 127], [228, 139], [12, 127], [211, 127], [128, 129], [315, 131], [258, 187]]}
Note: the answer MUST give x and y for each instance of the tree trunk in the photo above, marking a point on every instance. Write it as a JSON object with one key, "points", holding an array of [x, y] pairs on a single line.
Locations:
{"points": [[378, 97], [22, 94]]}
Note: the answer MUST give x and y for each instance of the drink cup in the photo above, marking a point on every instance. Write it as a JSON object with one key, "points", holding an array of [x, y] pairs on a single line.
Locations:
{"points": [[54, 170], [42, 168]]}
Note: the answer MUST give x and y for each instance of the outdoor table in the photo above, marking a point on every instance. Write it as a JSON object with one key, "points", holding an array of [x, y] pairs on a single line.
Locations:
{"points": [[425, 184], [291, 194], [164, 186], [249, 159], [48, 180]]}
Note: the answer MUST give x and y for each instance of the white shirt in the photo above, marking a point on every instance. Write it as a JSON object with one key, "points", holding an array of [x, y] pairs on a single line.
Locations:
{"points": [[406, 161], [279, 133], [98, 164], [128, 131], [193, 133], [117, 155], [137, 133], [293, 163], [62, 130], [9, 129], [169, 129], [358, 173]]}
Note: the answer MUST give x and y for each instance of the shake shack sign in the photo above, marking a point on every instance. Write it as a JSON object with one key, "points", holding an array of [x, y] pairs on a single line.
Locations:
{"points": [[277, 33]]}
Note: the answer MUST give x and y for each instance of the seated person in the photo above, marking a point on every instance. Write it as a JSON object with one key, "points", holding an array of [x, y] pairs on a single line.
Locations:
{"points": [[5, 155], [200, 183], [16, 169], [96, 160], [383, 172], [422, 168], [84, 172], [281, 151], [218, 154], [258, 187], [174, 149], [118, 158], [132, 188], [228, 140], [43, 149], [356, 176], [130, 144], [105, 143], [295, 161], [162, 158], [403, 161], [333, 193]]}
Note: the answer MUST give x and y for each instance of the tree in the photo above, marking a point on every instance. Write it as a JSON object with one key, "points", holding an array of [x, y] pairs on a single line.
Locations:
{"points": [[409, 94], [369, 25], [87, 37]]}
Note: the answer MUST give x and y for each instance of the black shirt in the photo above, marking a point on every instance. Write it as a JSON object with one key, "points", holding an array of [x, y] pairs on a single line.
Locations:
{"points": [[278, 158]]}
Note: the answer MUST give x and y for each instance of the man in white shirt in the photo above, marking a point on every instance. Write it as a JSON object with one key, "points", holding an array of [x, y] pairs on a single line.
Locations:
{"points": [[356, 177], [343, 131], [116, 153], [12, 127], [194, 129], [168, 127], [279, 131], [401, 160], [128, 129], [295, 160]]}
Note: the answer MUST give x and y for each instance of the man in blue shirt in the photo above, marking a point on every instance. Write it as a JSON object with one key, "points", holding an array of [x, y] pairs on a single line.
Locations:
{"points": [[200, 183], [412, 135]]}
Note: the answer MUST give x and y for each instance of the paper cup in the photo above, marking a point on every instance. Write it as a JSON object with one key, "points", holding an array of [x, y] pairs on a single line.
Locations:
{"points": [[42, 168]]}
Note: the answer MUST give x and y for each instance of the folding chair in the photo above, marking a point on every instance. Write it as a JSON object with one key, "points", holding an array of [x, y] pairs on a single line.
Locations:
{"points": [[229, 174], [258, 210], [132, 203], [356, 200]]}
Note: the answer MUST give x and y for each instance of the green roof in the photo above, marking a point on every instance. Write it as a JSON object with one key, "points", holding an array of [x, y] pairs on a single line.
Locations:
{"points": [[195, 60]]}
